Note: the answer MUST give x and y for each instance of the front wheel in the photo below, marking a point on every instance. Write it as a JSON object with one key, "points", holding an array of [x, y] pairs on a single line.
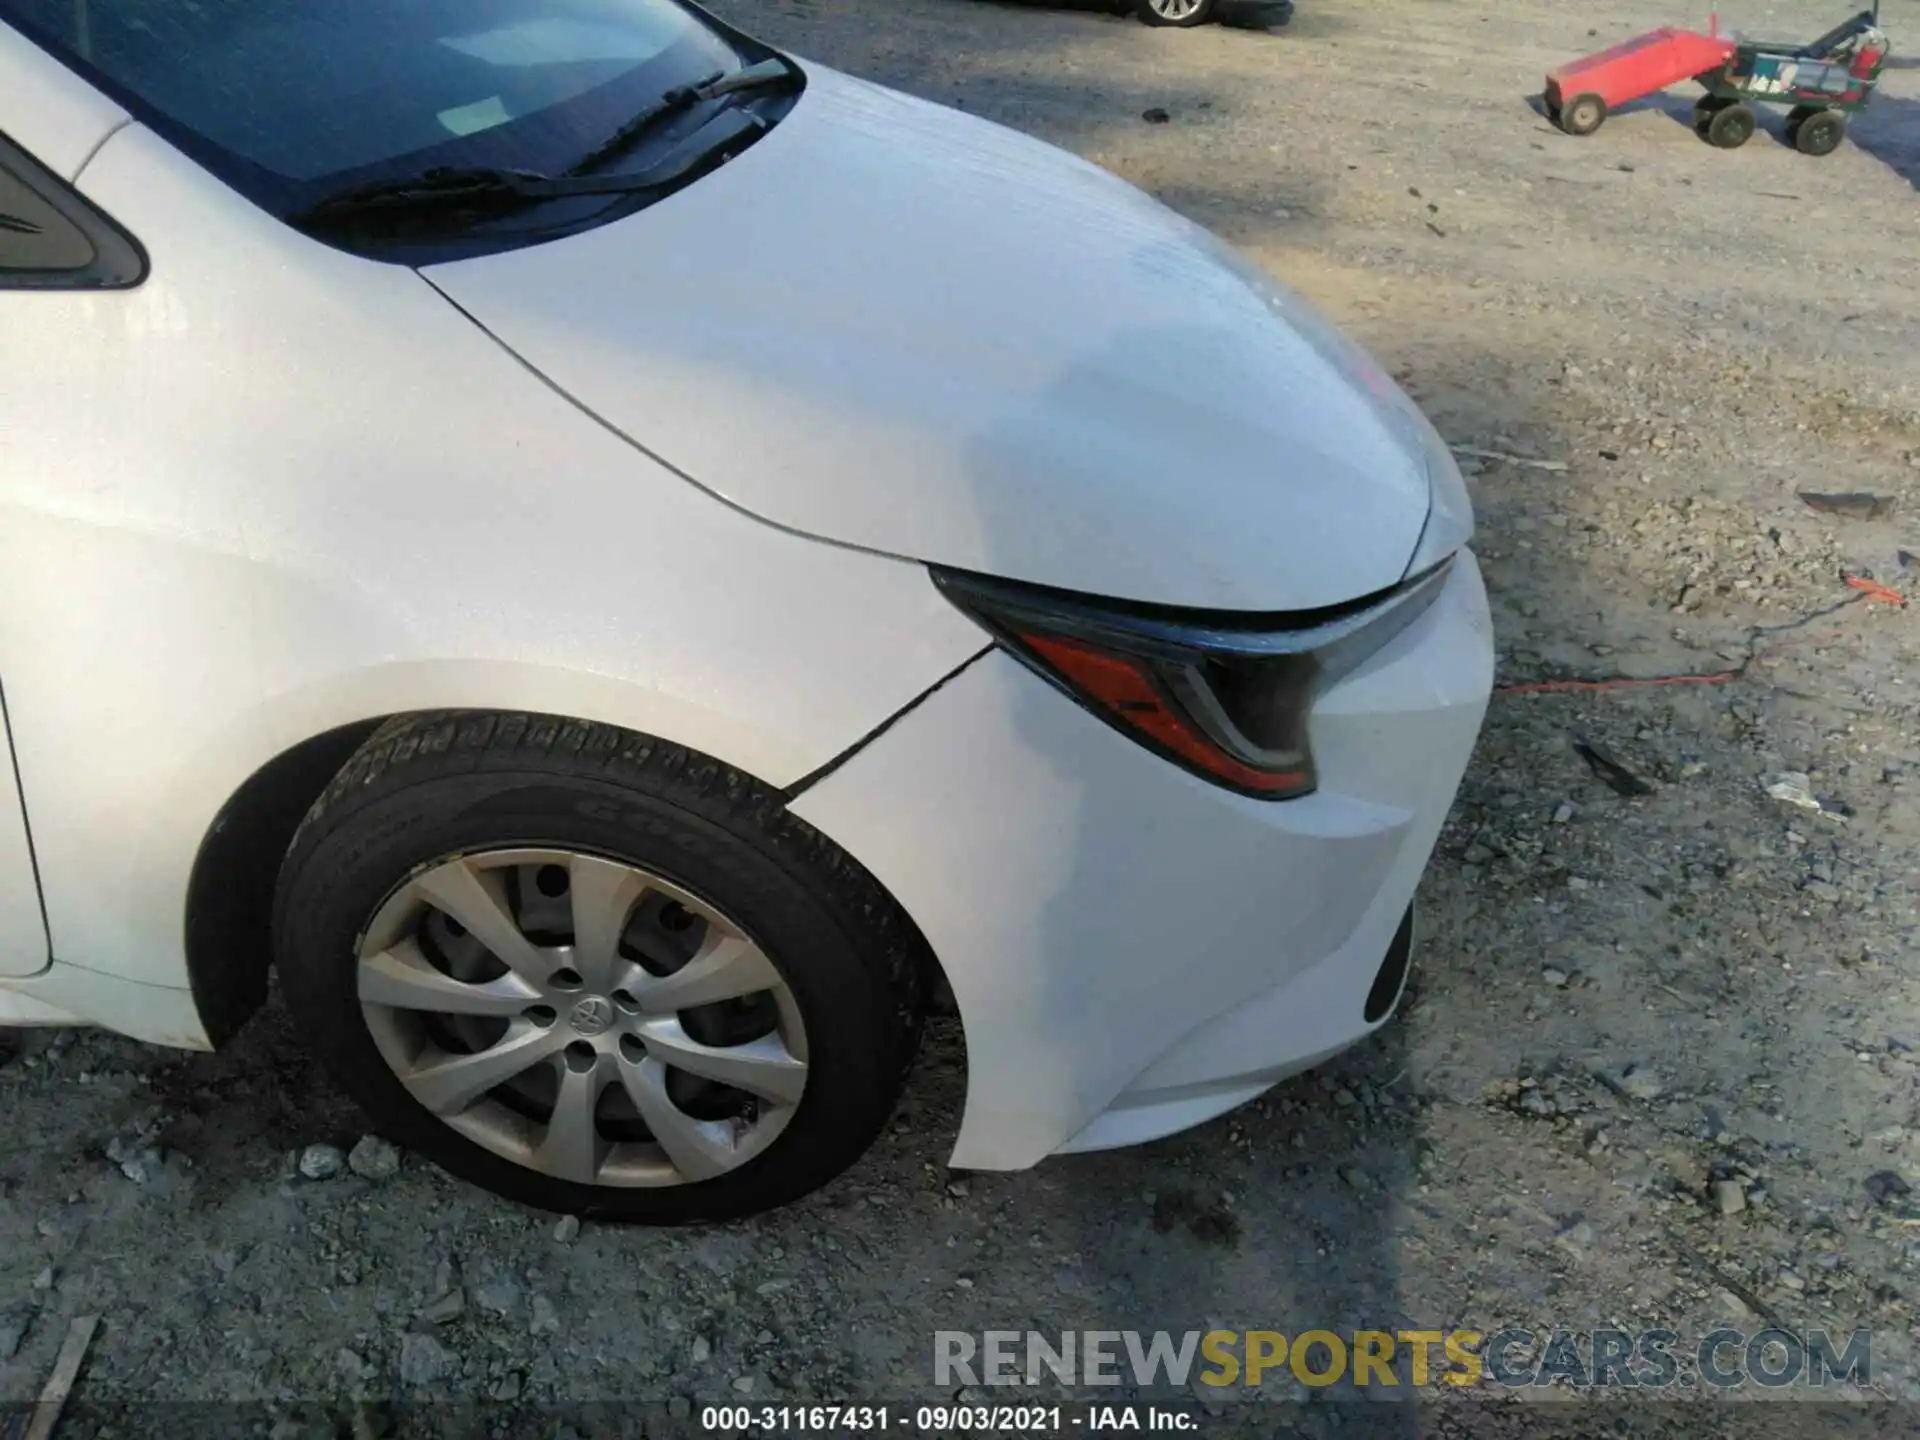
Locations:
{"points": [[1729, 126], [1181, 13], [594, 973]]}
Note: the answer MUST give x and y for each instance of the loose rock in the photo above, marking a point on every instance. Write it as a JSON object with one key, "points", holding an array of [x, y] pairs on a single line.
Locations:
{"points": [[15, 1321], [1578, 1236], [1886, 1187], [373, 1158], [322, 1162], [1795, 787], [1853, 504], [424, 1360], [500, 1295], [444, 1310], [546, 1320], [1642, 1083], [1611, 769]]}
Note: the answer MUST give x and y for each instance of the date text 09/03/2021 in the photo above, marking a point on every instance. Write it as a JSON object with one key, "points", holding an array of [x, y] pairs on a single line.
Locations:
{"points": [[943, 1419]]}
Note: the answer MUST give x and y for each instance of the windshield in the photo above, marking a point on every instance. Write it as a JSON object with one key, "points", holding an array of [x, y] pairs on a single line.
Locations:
{"points": [[290, 99]]}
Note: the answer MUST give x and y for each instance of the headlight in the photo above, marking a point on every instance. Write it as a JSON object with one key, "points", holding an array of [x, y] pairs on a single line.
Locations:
{"points": [[1224, 694]]}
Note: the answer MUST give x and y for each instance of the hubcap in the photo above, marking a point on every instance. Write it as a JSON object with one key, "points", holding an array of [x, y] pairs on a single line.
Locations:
{"points": [[1176, 9], [582, 1017]]}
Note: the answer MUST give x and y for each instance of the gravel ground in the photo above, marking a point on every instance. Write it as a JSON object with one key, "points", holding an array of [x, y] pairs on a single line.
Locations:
{"points": [[1658, 1066]]}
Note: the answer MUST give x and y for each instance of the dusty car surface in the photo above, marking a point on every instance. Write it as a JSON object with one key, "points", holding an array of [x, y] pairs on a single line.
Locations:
{"points": [[617, 562]]}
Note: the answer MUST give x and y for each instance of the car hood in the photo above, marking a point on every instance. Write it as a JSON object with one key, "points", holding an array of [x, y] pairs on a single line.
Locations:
{"points": [[892, 325]]}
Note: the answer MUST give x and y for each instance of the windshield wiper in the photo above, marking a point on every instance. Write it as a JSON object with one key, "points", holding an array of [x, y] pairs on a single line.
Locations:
{"points": [[442, 184], [682, 98], [491, 187]]}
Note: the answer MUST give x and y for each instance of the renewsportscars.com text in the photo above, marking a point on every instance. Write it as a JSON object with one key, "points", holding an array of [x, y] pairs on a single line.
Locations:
{"points": [[1608, 1359]]}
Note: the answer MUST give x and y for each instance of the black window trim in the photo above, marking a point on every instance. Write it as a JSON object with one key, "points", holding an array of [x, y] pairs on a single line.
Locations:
{"points": [[119, 260]]}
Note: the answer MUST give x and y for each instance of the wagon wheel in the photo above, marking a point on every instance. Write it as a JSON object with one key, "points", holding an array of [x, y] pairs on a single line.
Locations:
{"points": [[1181, 13], [1704, 109], [1582, 115], [1796, 117], [1731, 126], [1820, 133]]}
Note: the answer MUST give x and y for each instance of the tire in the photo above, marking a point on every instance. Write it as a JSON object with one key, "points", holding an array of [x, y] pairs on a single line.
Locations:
{"points": [[1704, 109], [1819, 133], [1582, 115], [1730, 126], [692, 875], [1181, 14]]}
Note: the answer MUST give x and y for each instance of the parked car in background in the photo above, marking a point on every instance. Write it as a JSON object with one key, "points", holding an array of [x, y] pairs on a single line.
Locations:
{"points": [[1187, 13], [618, 563], [1199, 12]]}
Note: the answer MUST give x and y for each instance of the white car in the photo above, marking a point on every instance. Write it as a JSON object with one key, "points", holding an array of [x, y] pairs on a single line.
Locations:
{"points": [[618, 564]]}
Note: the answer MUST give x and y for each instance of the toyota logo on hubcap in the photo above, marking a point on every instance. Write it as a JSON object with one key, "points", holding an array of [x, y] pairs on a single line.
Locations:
{"points": [[592, 1015]]}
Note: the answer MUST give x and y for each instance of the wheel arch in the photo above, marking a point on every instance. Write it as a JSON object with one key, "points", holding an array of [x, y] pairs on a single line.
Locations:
{"points": [[230, 889], [228, 896], [229, 907]]}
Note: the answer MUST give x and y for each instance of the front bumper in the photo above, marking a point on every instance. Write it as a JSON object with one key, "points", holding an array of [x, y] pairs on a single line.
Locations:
{"points": [[1133, 949]]}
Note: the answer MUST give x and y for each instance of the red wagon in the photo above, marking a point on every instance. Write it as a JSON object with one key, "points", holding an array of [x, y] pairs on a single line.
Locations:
{"points": [[1825, 81], [1579, 96]]}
